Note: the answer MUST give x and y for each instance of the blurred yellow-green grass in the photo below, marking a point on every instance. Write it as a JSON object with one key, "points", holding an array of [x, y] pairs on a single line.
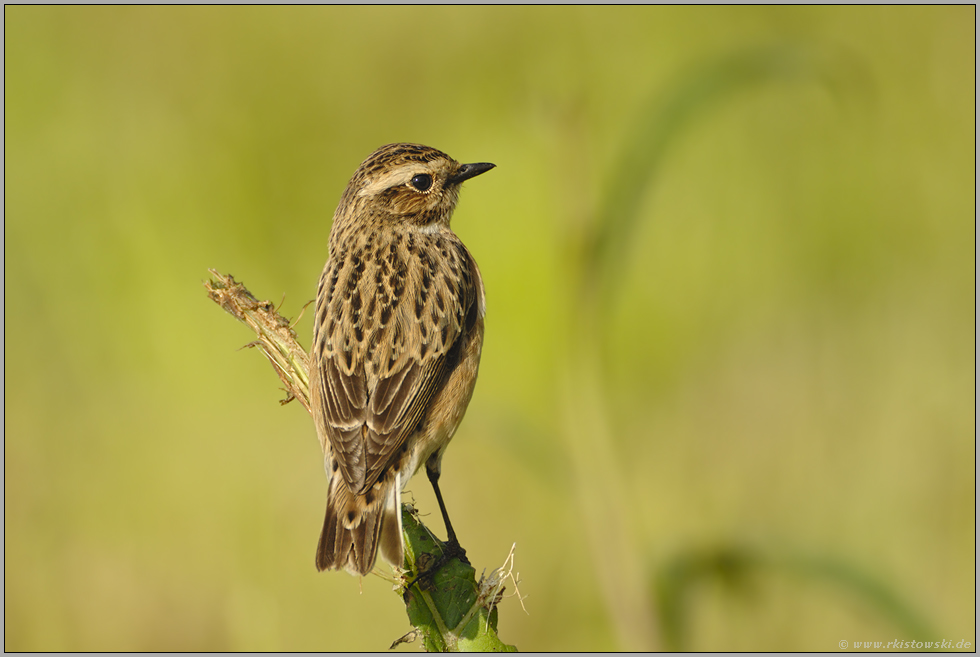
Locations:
{"points": [[784, 363]]}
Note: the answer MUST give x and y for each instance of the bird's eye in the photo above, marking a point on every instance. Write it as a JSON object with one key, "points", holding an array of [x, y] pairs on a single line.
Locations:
{"points": [[422, 182]]}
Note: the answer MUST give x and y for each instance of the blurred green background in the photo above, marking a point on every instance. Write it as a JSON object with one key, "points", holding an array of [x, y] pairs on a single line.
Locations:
{"points": [[745, 422]]}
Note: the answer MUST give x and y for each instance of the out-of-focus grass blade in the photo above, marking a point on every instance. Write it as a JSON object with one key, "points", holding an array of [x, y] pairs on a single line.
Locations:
{"points": [[738, 566], [664, 120]]}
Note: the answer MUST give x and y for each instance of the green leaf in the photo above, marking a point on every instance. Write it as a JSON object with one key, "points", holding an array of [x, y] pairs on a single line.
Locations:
{"points": [[451, 610]]}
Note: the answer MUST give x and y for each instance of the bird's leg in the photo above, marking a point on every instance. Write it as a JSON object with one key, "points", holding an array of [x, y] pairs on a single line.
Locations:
{"points": [[451, 549], [452, 546]]}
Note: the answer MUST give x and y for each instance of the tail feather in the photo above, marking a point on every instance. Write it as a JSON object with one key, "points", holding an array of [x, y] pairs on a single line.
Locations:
{"points": [[390, 542], [355, 526]]}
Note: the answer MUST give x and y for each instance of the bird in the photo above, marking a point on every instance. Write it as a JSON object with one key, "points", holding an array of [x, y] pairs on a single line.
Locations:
{"points": [[397, 338]]}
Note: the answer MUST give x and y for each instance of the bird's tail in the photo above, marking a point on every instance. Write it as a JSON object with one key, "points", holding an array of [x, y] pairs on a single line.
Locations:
{"points": [[357, 527]]}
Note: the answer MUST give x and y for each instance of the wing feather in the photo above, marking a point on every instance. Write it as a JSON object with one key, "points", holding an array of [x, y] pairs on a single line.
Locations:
{"points": [[373, 379]]}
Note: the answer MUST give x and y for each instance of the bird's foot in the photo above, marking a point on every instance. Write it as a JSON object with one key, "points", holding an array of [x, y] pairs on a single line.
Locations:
{"points": [[429, 564]]}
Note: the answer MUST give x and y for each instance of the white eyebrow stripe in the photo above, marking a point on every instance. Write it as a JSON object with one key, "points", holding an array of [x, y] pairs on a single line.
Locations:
{"points": [[393, 179]]}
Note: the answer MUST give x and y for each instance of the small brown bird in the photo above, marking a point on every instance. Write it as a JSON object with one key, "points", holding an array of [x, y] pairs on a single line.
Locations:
{"points": [[396, 346]]}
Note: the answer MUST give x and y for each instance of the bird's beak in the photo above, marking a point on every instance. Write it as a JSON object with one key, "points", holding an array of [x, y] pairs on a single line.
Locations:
{"points": [[467, 171]]}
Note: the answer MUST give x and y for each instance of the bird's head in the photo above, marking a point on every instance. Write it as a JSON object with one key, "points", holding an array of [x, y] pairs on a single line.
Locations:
{"points": [[409, 183]]}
